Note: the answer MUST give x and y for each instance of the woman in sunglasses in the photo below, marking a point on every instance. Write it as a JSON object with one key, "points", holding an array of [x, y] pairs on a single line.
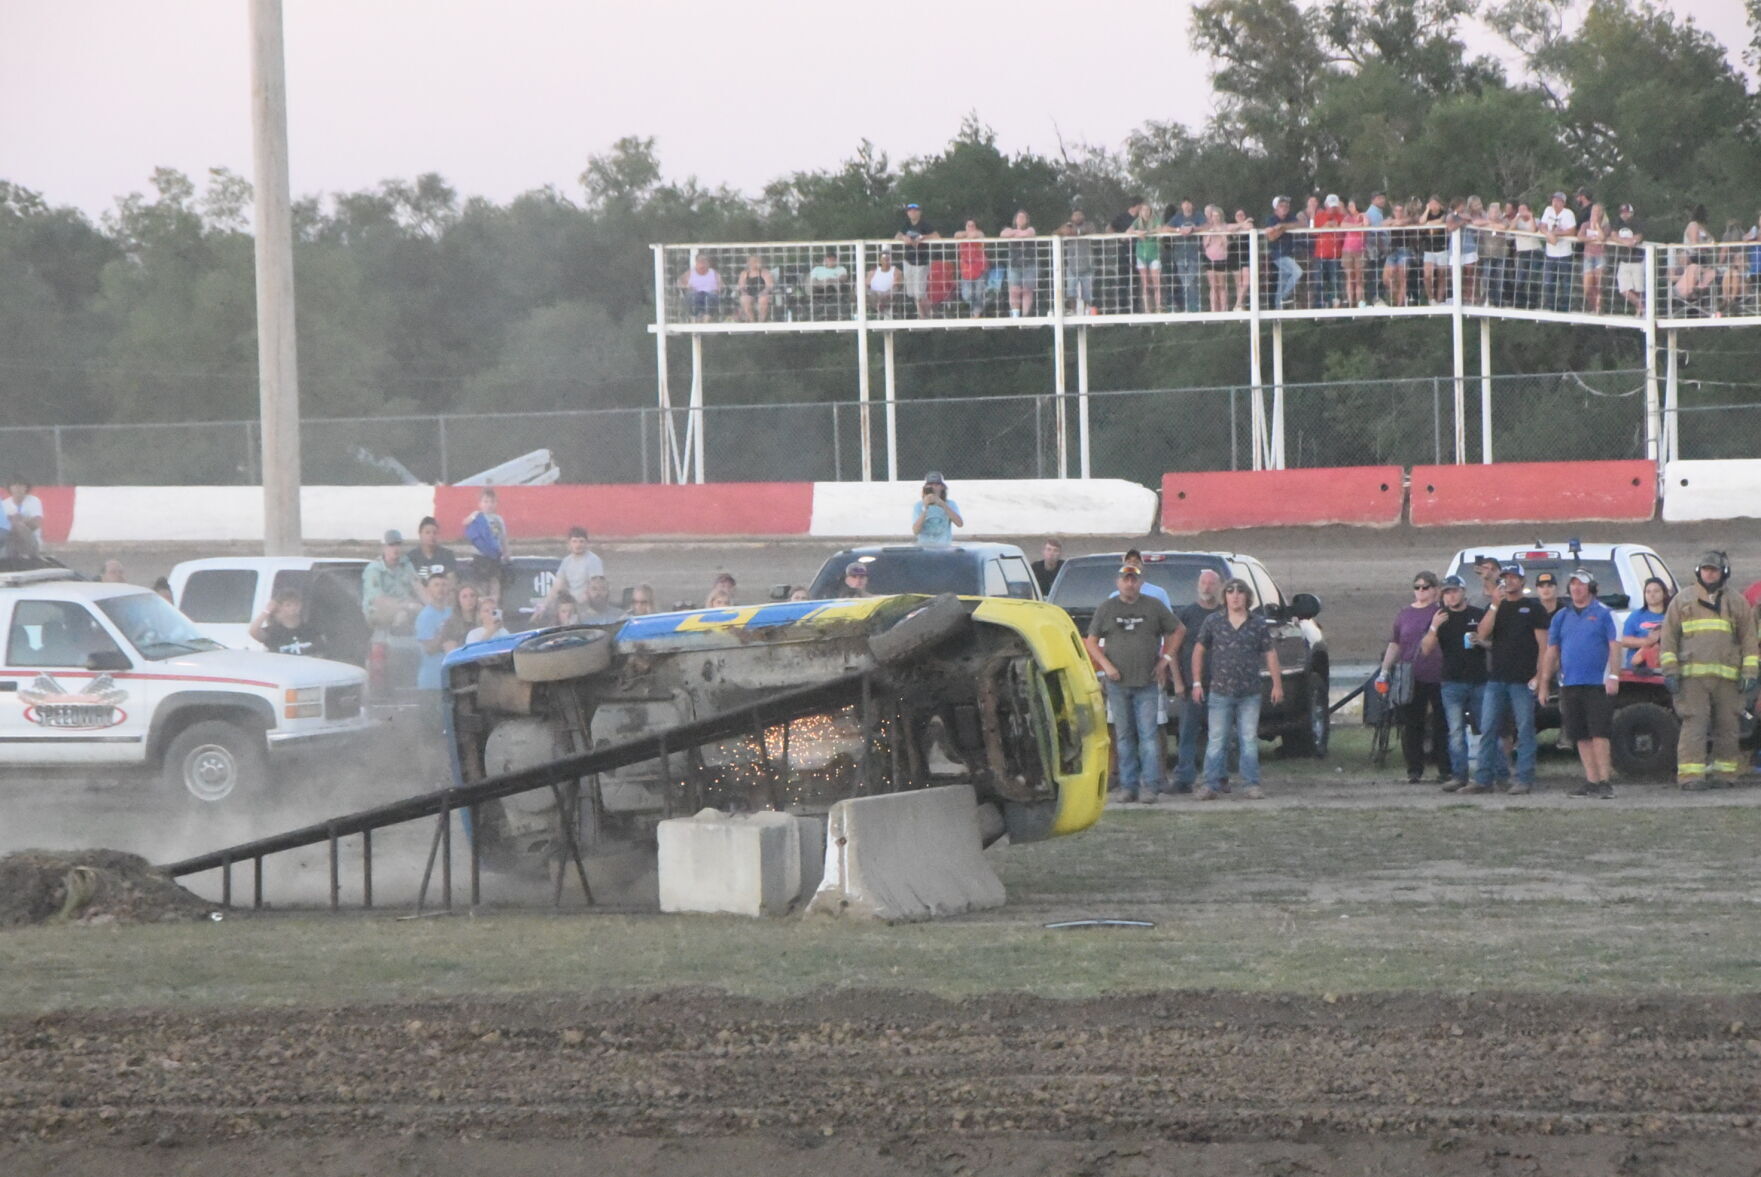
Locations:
{"points": [[1421, 703]]}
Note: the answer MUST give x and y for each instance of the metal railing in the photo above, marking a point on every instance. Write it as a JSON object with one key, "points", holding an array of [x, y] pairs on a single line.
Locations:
{"points": [[1133, 433], [1215, 270]]}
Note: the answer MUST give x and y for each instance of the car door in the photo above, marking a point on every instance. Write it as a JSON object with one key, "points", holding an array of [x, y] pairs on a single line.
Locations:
{"points": [[995, 583], [1018, 579], [55, 708]]}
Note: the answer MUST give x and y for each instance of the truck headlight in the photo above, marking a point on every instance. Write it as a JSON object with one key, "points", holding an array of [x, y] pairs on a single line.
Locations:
{"points": [[304, 703]]}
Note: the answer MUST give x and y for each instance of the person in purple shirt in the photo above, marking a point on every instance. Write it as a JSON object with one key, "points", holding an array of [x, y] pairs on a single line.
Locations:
{"points": [[1424, 714]]}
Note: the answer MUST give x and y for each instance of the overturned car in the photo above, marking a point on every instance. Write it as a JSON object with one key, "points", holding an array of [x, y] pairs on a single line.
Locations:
{"points": [[883, 695]]}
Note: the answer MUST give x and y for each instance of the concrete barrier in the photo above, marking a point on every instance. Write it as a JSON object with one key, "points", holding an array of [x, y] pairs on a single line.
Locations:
{"points": [[750, 864], [1372, 496], [636, 511], [1534, 492], [202, 514], [906, 856], [1728, 489], [1000, 507]]}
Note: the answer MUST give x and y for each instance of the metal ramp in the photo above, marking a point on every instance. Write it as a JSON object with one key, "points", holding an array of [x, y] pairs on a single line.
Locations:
{"points": [[443, 803]]}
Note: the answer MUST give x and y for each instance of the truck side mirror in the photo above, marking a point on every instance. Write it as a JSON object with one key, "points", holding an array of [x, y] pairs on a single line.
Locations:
{"points": [[1305, 606]]}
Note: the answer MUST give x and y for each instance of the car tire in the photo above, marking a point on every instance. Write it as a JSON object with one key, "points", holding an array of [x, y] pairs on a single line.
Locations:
{"points": [[213, 760], [1643, 742], [554, 657], [1315, 727], [921, 630]]}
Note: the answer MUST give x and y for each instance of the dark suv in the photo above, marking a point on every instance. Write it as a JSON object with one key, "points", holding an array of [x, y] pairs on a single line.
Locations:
{"points": [[1302, 720], [971, 570]]}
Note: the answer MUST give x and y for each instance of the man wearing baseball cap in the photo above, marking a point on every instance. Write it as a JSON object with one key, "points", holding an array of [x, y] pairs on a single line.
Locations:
{"points": [[1454, 630], [913, 231], [1560, 225], [1709, 664], [1629, 262], [390, 596], [1584, 647], [1513, 628], [1129, 640], [855, 580]]}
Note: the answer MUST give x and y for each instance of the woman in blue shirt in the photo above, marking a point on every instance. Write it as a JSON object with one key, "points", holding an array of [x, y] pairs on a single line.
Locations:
{"points": [[1642, 631]]}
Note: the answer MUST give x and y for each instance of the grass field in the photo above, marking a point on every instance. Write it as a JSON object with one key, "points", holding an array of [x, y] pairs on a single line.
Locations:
{"points": [[1294, 899]]}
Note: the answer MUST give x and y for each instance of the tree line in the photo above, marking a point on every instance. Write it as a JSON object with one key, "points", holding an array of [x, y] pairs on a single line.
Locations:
{"points": [[414, 298]]}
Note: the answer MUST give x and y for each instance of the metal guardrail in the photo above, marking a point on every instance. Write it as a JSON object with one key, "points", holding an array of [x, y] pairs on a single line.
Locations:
{"points": [[443, 803]]}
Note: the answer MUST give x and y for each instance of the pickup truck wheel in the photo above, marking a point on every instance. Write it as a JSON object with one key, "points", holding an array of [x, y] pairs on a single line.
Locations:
{"points": [[554, 657], [921, 630], [1643, 742], [1315, 724], [211, 760]]}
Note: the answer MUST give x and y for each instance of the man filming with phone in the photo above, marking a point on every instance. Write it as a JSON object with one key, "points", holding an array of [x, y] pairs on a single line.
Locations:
{"points": [[934, 516]]}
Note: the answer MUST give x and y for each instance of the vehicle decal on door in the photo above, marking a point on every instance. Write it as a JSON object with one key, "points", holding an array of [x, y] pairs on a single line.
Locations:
{"points": [[49, 704]]}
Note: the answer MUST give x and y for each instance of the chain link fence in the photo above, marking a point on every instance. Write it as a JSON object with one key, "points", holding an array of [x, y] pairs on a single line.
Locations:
{"points": [[1136, 434]]}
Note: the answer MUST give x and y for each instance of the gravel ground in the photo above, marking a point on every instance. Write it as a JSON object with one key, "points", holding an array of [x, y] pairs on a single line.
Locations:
{"points": [[860, 1082], [898, 1083]]}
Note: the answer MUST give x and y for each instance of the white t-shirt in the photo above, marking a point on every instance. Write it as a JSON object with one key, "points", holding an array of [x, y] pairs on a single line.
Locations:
{"points": [[574, 571], [481, 633], [1567, 223], [31, 508]]}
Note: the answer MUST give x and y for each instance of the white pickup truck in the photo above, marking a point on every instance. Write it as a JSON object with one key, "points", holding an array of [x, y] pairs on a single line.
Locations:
{"points": [[111, 675]]}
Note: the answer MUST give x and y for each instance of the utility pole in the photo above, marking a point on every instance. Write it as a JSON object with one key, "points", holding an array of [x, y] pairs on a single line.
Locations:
{"points": [[277, 351]]}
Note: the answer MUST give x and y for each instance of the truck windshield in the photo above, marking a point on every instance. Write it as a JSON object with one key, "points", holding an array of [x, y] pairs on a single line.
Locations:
{"points": [[907, 570], [154, 628], [1086, 584]]}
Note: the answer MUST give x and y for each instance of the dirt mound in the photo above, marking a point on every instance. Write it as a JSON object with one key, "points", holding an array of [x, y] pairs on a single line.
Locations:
{"points": [[90, 887]]}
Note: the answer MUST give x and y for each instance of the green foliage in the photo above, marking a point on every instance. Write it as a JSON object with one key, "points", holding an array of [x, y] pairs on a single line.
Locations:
{"points": [[415, 298]]}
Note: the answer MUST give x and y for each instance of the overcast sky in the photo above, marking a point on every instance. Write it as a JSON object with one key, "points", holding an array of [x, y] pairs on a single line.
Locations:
{"points": [[507, 96]]}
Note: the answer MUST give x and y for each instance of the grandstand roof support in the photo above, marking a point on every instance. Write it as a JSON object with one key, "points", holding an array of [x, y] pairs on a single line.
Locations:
{"points": [[1458, 361], [1486, 391]]}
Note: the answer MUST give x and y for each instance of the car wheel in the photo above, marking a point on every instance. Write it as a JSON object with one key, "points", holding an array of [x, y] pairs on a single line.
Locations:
{"points": [[1644, 739], [921, 630], [212, 760], [554, 657], [1315, 724]]}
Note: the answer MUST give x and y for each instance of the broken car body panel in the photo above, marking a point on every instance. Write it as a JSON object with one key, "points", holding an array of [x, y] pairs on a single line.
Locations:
{"points": [[1007, 698]]}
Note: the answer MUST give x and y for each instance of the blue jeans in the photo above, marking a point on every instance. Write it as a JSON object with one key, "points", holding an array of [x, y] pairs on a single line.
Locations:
{"points": [[1238, 715], [1134, 719], [1329, 281], [1556, 283], [1186, 270], [1459, 707], [1516, 698], [1192, 726], [1289, 274]]}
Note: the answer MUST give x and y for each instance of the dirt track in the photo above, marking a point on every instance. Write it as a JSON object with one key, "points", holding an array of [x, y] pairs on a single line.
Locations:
{"points": [[896, 1082]]}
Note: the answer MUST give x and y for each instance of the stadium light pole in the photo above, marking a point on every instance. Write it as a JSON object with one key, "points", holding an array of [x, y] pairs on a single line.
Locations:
{"points": [[277, 352]]}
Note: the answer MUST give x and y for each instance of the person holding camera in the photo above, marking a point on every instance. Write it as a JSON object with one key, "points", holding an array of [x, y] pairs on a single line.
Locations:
{"points": [[1454, 634], [935, 516], [1514, 627]]}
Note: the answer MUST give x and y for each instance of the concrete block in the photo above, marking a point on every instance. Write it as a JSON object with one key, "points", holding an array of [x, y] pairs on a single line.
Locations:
{"points": [[743, 865], [906, 856], [812, 830]]}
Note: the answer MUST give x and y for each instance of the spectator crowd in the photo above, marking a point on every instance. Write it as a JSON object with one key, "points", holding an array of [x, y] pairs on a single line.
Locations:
{"points": [[1572, 253]]}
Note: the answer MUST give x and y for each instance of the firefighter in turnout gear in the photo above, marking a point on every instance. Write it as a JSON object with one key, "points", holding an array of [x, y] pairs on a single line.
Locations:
{"points": [[1709, 664]]}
